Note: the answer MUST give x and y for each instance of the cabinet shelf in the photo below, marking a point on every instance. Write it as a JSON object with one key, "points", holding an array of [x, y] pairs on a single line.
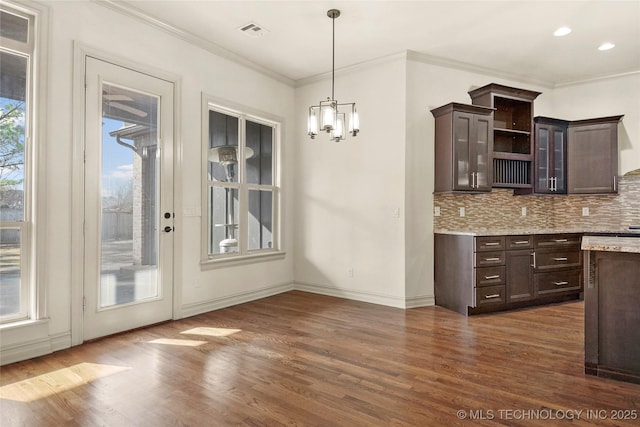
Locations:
{"points": [[511, 156], [511, 131]]}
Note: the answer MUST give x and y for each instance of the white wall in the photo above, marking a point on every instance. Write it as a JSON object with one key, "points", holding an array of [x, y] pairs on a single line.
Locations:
{"points": [[347, 193], [199, 71], [608, 97]]}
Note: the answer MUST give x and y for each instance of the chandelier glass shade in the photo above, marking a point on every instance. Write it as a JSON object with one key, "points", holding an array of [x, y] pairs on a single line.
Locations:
{"points": [[330, 116]]}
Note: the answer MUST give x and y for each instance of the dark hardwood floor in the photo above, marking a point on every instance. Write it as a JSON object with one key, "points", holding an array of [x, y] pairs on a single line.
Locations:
{"points": [[305, 359]]}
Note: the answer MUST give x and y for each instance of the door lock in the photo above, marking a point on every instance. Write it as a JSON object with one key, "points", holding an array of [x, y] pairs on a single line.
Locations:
{"points": [[168, 229]]}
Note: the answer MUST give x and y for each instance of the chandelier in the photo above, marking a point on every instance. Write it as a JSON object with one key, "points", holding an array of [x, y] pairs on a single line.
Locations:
{"points": [[330, 116]]}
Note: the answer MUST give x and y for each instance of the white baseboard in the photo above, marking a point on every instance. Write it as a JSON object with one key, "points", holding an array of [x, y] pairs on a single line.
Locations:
{"points": [[24, 351], [60, 341], [189, 310], [388, 300], [420, 301]]}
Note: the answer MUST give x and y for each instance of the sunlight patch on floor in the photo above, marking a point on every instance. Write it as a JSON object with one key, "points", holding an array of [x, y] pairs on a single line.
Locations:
{"points": [[48, 384], [212, 332], [184, 343]]}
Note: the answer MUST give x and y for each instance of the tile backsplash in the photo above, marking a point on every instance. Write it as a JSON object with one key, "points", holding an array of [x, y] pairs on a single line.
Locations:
{"points": [[501, 210]]}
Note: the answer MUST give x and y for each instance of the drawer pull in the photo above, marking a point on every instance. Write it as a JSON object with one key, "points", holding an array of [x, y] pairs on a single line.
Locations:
{"points": [[521, 242], [492, 259], [492, 296], [492, 244], [561, 240], [560, 283], [495, 276], [562, 258]]}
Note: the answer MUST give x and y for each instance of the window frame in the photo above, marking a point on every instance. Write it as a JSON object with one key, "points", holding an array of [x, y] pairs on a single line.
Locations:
{"points": [[244, 254], [32, 235]]}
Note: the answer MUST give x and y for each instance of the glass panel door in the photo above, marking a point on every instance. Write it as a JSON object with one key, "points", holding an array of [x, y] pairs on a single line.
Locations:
{"points": [[128, 199], [129, 187], [559, 160], [461, 135], [542, 157]]}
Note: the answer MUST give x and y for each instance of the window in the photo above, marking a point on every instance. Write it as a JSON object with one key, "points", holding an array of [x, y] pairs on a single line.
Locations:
{"points": [[241, 199], [16, 163]]}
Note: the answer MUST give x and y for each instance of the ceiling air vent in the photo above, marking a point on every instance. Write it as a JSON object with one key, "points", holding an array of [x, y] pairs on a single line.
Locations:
{"points": [[253, 30]]}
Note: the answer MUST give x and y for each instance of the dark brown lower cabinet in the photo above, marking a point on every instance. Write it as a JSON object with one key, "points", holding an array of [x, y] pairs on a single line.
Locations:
{"points": [[520, 287], [612, 335], [478, 274]]}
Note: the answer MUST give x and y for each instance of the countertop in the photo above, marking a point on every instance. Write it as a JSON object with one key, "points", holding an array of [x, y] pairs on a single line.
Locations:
{"points": [[523, 231], [611, 244]]}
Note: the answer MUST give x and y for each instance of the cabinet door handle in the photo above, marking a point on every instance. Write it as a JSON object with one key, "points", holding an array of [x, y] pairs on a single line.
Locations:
{"points": [[521, 242], [492, 259], [492, 296], [492, 244], [495, 276], [562, 258], [615, 183], [560, 283], [561, 240], [533, 255]]}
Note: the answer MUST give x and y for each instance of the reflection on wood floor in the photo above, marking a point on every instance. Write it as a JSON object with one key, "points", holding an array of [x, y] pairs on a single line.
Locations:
{"points": [[305, 359]]}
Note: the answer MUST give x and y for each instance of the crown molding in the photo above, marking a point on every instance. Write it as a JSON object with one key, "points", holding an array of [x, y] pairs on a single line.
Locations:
{"points": [[352, 68], [463, 66], [133, 12], [596, 79]]}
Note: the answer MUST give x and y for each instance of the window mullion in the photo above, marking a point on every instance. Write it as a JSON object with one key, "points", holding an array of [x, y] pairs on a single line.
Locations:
{"points": [[242, 194]]}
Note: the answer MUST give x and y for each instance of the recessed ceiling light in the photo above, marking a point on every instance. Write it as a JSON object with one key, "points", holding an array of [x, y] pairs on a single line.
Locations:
{"points": [[562, 31], [606, 46]]}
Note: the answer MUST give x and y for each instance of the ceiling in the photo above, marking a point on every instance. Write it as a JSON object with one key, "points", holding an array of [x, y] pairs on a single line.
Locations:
{"points": [[511, 38]]}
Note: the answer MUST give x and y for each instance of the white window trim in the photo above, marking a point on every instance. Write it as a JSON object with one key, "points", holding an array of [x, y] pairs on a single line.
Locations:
{"points": [[33, 228], [207, 261]]}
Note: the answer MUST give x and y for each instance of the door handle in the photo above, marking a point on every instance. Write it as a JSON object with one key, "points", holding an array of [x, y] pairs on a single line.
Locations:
{"points": [[168, 229]]}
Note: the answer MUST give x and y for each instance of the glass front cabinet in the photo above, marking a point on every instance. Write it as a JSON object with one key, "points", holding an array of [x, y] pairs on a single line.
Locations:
{"points": [[550, 155]]}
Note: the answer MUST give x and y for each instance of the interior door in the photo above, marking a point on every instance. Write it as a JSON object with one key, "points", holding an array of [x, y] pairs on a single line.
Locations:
{"points": [[128, 244]]}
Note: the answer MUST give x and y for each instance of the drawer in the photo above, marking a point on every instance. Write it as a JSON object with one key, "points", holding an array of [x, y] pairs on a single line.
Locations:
{"points": [[553, 260], [556, 240], [519, 242], [490, 295], [561, 281], [489, 259], [489, 243], [487, 276]]}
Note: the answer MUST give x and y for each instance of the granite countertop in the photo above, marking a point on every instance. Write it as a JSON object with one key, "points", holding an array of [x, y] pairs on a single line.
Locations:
{"points": [[611, 244], [522, 231]]}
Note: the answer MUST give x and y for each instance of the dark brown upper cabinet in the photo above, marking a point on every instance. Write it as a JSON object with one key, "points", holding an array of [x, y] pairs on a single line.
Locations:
{"points": [[592, 156], [550, 155], [512, 133], [463, 146]]}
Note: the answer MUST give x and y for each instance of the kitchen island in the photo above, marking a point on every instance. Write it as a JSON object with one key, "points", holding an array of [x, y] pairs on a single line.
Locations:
{"points": [[612, 297]]}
